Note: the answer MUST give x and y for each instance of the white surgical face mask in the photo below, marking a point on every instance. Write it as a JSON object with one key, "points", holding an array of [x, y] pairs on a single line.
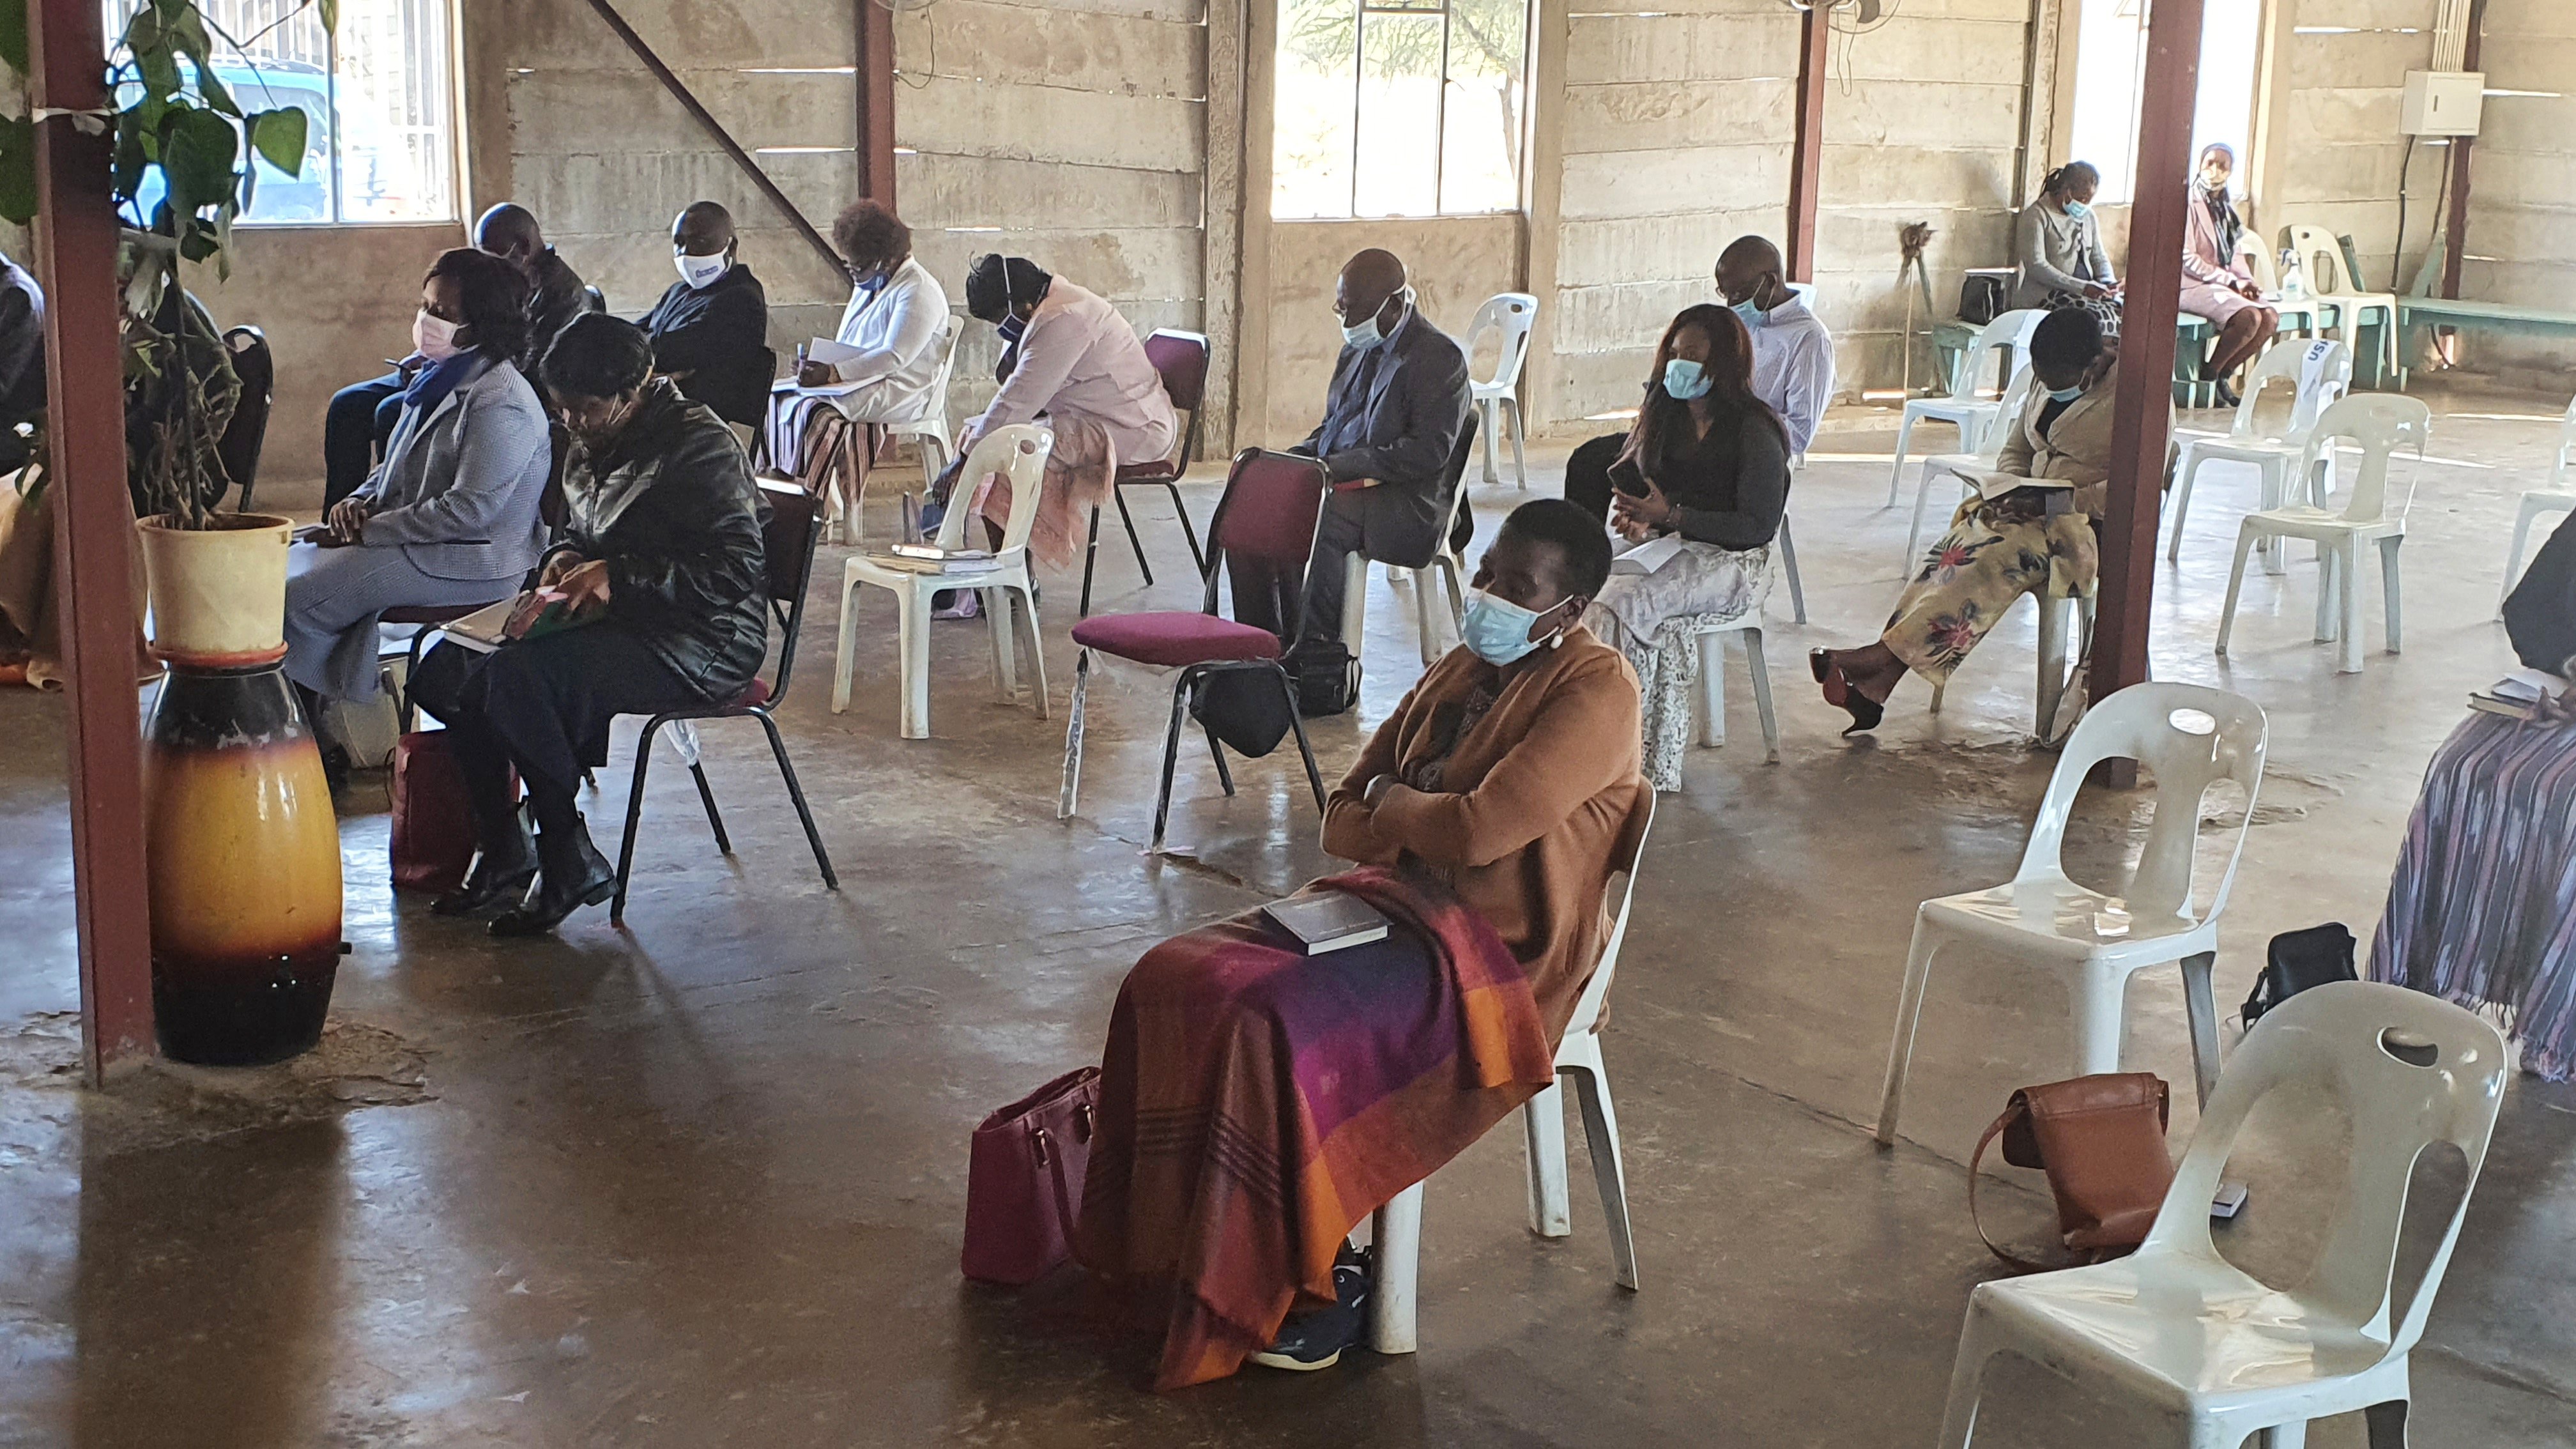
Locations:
{"points": [[701, 272], [434, 337], [1367, 334]]}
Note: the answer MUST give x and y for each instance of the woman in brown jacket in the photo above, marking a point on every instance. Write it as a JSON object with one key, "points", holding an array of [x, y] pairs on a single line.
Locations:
{"points": [[1510, 769], [2004, 541]]}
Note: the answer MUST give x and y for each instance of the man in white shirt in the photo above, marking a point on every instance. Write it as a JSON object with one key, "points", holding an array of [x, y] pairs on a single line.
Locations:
{"points": [[898, 324], [1793, 354]]}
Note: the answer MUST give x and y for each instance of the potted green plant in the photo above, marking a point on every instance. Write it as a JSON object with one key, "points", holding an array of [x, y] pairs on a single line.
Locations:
{"points": [[184, 146]]}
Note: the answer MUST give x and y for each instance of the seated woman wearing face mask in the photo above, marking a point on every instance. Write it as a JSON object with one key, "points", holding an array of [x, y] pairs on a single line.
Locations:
{"points": [[1071, 362], [1483, 816], [450, 516], [663, 571], [2060, 244], [2008, 542], [1707, 465]]}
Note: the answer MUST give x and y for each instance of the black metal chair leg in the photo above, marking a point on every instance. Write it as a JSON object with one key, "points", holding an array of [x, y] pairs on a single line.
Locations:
{"points": [[634, 816], [1090, 561], [1198, 556], [1119, 497], [1171, 757], [1314, 777], [1216, 751], [706, 793], [796, 793]]}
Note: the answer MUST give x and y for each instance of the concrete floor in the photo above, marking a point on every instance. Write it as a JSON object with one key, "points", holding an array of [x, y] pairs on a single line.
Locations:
{"points": [[701, 1180]]}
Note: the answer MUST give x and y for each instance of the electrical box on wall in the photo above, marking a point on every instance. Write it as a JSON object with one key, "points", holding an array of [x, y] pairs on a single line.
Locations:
{"points": [[2442, 102]]}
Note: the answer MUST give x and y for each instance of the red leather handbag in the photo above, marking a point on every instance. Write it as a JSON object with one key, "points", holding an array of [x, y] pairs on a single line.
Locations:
{"points": [[1024, 1181], [433, 831]]}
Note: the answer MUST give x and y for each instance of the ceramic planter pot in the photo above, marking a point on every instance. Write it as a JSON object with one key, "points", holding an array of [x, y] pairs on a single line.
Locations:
{"points": [[219, 593]]}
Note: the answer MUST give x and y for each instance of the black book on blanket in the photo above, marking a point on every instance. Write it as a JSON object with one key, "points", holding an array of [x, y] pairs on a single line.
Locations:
{"points": [[1328, 921]]}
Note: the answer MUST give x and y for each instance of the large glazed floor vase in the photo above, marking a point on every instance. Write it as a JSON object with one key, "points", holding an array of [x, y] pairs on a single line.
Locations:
{"points": [[243, 850]]}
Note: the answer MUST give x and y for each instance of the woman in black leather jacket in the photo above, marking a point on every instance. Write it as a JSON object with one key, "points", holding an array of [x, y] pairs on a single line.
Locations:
{"points": [[662, 574]]}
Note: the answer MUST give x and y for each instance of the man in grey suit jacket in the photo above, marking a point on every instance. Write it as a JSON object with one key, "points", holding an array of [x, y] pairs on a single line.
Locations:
{"points": [[451, 515], [1398, 402]]}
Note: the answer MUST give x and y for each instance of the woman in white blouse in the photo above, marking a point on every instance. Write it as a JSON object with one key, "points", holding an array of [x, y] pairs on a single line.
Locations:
{"points": [[1073, 361], [899, 322]]}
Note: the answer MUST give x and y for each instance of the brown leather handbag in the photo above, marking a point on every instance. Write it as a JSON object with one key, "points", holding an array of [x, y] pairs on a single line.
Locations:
{"points": [[2101, 1140]]}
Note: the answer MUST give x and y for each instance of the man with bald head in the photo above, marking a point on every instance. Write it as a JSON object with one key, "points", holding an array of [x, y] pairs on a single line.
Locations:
{"points": [[509, 231], [1397, 407], [711, 330]]}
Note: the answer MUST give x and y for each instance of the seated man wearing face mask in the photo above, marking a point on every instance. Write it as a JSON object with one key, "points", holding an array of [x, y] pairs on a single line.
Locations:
{"points": [[710, 331], [1398, 402], [450, 516]]}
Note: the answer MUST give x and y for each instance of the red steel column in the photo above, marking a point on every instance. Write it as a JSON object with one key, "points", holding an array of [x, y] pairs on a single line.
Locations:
{"points": [[93, 534], [1806, 163], [876, 101], [2142, 426], [2462, 147]]}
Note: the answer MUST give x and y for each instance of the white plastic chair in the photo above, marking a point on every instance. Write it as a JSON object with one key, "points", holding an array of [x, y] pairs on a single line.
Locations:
{"points": [[2380, 422], [2321, 258], [1512, 314], [2285, 361], [1395, 1231], [1020, 452], [1789, 546], [2213, 1351], [2189, 738], [1963, 408], [2558, 497], [1712, 682], [1987, 440], [931, 432]]}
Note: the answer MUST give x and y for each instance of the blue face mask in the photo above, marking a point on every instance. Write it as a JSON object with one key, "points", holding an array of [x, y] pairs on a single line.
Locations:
{"points": [[1751, 312], [1012, 326], [1497, 630], [1685, 380], [2064, 394], [2077, 211], [874, 282]]}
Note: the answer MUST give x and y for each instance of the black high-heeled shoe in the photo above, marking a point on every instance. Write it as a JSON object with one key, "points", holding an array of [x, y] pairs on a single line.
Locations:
{"points": [[1842, 694]]}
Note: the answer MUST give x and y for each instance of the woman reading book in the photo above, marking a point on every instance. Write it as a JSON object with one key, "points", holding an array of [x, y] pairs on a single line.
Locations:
{"points": [[1257, 1101], [662, 582], [2004, 541]]}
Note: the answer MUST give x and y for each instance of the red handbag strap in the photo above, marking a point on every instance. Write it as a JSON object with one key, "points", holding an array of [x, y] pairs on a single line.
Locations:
{"points": [[1994, 1130]]}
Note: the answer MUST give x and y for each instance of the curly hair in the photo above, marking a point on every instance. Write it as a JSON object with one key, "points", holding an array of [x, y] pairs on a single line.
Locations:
{"points": [[867, 232], [495, 299]]}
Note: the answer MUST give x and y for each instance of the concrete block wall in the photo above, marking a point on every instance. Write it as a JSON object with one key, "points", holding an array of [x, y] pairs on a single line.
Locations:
{"points": [[1923, 122], [2522, 191], [2336, 150], [1678, 118]]}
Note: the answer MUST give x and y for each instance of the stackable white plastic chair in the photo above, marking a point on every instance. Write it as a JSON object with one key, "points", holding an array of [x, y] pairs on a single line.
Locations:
{"points": [[2285, 361], [1987, 441], [1963, 408], [2216, 1354], [2189, 738], [1019, 452], [1396, 1230], [1789, 546], [1513, 314], [2558, 497], [1444, 560], [2380, 422], [2321, 257], [931, 432]]}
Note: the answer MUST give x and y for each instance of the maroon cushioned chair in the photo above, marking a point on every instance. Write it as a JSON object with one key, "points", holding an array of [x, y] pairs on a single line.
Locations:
{"points": [[787, 544], [1268, 511], [1182, 359]]}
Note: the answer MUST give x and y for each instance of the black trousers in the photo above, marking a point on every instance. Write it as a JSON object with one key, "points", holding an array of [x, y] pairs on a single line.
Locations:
{"points": [[543, 707], [1587, 474], [1267, 596], [355, 429]]}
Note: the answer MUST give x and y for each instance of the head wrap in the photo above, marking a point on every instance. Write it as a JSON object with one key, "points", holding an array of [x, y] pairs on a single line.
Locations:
{"points": [[996, 284]]}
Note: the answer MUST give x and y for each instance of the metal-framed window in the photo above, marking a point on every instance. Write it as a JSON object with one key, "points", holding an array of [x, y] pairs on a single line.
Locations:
{"points": [[2110, 74], [1399, 107], [379, 95]]}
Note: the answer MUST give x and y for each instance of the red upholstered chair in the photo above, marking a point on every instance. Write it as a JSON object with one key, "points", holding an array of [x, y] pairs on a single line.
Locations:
{"points": [[787, 543], [1268, 511], [1182, 359]]}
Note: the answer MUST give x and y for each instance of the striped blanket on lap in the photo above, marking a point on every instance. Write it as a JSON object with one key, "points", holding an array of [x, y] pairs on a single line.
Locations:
{"points": [[1256, 1103], [2482, 909]]}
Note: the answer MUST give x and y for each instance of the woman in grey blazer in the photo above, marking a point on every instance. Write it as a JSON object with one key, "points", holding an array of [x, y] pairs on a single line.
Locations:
{"points": [[2059, 245], [450, 516]]}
